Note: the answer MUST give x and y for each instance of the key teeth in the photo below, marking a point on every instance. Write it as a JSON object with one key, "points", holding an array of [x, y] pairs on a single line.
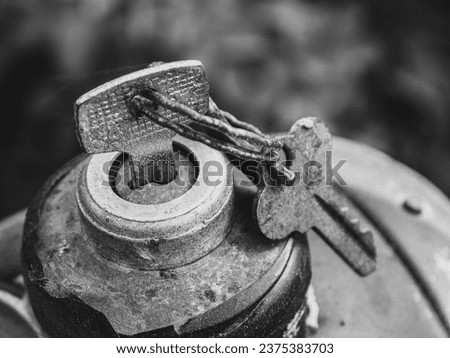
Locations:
{"points": [[364, 233], [356, 225]]}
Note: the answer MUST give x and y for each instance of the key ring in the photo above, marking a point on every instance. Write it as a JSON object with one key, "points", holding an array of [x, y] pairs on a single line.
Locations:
{"points": [[244, 140]]}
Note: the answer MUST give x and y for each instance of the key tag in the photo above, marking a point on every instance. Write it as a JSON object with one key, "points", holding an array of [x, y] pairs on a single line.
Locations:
{"points": [[310, 203], [305, 148]]}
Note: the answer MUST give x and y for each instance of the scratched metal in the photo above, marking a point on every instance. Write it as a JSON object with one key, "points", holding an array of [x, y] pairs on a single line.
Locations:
{"points": [[310, 203], [106, 121], [136, 301]]}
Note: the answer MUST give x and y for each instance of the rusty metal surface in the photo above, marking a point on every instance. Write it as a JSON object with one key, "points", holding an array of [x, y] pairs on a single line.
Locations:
{"points": [[238, 139], [282, 310], [154, 193], [311, 202], [135, 301], [106, 121], [162, 235], [390, 302]]}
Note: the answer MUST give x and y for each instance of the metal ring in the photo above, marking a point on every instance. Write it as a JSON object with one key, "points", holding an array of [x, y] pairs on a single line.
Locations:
{"points": [[156, 236]]}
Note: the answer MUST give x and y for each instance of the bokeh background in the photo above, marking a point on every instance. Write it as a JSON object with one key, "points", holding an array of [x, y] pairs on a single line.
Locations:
{"points": [[374, 70]]}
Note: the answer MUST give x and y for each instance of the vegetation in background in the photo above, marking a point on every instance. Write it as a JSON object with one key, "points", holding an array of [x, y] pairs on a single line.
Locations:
{"points": [[376, 71]]}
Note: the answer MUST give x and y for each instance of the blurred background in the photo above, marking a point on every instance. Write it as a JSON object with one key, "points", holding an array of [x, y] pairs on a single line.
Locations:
{"points": [[375, 70]]}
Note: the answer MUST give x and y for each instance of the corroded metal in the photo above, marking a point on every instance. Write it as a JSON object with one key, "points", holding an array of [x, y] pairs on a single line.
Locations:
{"points": [[77, 292], [308, 141], [102, 261], [213, 123], [154, 193], [156, 235], [310, 203], [243, 141], [106, 120], [389, 303]]}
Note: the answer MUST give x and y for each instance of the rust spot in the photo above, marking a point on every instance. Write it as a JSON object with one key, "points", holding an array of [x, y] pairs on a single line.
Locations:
{"points": [[70, 219], [168, 274], [150, 293], [210, 295], [153, 245], [51, 253], [234, 287], [317, 143], [306, 123]]}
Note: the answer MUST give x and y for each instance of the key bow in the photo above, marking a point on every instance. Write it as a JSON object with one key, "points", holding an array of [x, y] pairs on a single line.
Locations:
{"points": [[311, 202]]}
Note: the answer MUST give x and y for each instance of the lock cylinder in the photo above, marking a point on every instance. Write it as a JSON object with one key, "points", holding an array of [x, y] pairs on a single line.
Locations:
{"points": [[158, 235], [102, 260]]}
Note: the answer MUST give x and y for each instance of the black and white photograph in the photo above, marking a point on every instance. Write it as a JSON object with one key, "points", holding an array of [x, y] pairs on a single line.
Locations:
{"points": [[225, 178]]}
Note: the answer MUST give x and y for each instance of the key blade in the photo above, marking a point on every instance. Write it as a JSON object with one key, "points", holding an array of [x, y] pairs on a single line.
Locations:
{"points": [[345, 236], [105, 119]]}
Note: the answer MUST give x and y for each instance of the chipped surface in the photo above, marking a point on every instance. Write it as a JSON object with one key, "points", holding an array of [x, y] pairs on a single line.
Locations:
{"points": [[293, 327], [307, 122], [134, 301]]}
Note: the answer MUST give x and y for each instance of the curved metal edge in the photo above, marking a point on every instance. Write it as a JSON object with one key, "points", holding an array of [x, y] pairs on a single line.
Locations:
{"points": [[381, 187], [10, 245]]}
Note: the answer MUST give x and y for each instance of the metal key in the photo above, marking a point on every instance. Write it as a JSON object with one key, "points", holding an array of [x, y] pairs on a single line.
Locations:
{"points": [[119, 116], [106, 120], [311, 204]]}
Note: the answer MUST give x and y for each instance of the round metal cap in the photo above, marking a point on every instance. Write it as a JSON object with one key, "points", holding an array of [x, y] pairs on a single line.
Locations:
{"points": [[162, 235]]}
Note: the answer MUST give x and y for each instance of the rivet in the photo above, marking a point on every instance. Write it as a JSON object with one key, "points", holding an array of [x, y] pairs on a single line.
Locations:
{"points": [[413, 205]]}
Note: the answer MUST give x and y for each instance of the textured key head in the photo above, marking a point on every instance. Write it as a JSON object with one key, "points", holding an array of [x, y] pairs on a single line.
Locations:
{"points": [[106, 121], [281, 210], [311, 202]]}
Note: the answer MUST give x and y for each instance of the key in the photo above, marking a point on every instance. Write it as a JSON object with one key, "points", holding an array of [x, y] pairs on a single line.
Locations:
{"points": [[311, 204], [107, 122]]}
